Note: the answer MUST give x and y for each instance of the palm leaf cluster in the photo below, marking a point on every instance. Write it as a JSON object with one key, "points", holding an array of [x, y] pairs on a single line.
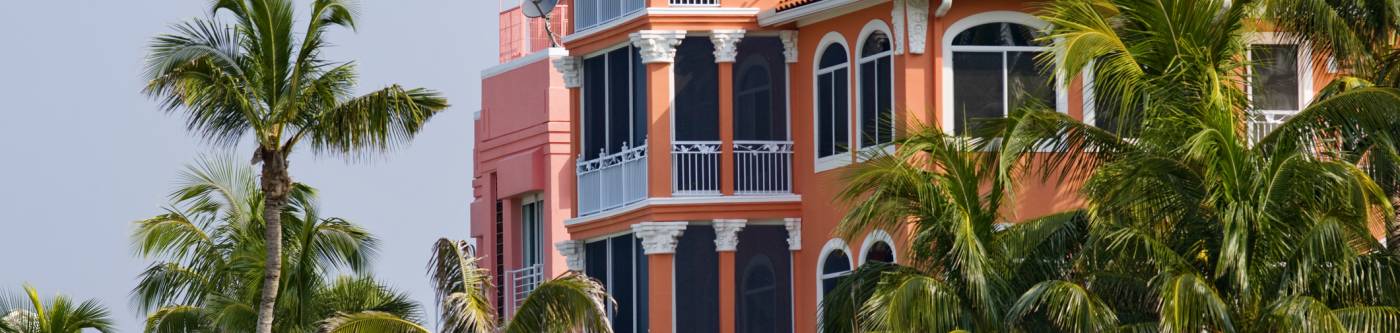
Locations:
{"points": [[1189, 223], [208, 264], [27, 312], [570, 302]]}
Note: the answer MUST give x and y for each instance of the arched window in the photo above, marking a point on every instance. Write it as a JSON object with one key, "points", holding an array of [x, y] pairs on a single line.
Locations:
{"points": [[878, 246], [832, 103], [759, 296], [835, 265], [993, 69], [876, 88]]}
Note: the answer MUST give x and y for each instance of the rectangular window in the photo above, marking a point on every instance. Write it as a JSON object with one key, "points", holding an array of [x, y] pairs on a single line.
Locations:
{"points": [[697, 91], [500, 260], [833, 104], [532, 232], [1275, 83], [619, 265], [614, 102], [977, 88]]}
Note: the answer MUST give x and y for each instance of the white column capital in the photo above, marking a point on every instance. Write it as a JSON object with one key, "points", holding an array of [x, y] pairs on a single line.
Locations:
{"points": [[794, 229], [573, 254], [659, 237], [789, 38], [727, 234], [657, 46], [918, 24], [897, 20], [571, 68], [726, 44]]}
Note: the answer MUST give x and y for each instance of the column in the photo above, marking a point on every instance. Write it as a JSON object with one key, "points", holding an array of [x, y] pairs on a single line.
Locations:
{"points": [[658, 51], [659, 241], [727, 243], [726, 50]]}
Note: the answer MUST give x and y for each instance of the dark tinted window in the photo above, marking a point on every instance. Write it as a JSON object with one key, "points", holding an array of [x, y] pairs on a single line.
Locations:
{"points": [[834, 55], [595, 106], [997, 34], [880, 252], [876, 43], [697, 91], [977, 88], [760, 100], [876, 104], [1275, 79]]}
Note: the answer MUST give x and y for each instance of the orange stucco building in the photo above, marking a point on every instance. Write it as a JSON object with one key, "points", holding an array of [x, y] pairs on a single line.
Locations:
{"points": [[687, 153]]}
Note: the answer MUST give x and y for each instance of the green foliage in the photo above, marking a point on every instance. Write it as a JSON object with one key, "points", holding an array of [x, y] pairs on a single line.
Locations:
{"points": [[27, 312], [1190, 224], [570, 302], [207, 251]]}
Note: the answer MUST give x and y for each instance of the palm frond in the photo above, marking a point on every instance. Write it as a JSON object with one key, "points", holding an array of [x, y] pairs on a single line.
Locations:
{"points": [[571, 302]]}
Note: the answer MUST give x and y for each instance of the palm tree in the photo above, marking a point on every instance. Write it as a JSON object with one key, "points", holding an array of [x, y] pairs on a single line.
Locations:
{"points": [[208, 251], [1193, 225], [258, 77], [568, 303], [1358, 36], [28, 313]]}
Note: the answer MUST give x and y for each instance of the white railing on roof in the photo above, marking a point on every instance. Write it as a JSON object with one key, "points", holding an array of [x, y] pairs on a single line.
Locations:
{"points": [[612, 181], [523, 281], [592, 13], [695, 2], [695, 167], [762, 167]]}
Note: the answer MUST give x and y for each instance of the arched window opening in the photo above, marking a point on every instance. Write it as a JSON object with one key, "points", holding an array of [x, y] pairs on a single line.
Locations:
{"points": [[994, 71], [833, 102], [876, 68]]}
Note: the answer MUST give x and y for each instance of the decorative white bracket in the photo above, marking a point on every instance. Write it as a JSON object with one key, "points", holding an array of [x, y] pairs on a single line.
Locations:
{"points": [[726, 44], [659, 237], [918, 24], [573, 254], [657, 46], [794, 229], [789, 38], [943, 8], [897, 17], [727, 234], [570, 68]]}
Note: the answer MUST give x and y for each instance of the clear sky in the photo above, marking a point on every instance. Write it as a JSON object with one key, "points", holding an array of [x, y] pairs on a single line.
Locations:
{"points": [[83, 153]]}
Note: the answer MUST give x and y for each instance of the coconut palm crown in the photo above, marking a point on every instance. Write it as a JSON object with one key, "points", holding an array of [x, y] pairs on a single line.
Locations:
{"points": [[264, 78], [27, 312]]}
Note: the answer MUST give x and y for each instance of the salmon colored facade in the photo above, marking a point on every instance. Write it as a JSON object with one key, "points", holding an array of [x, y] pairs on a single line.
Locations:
{"points": [[688, 153]]}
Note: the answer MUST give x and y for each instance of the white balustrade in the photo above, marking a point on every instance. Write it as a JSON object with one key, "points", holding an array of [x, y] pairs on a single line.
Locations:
{"points": [[523, 281], [1261, 123], [695, 167], [762, 167], [592, 13], [695, 2], [612, 181]]}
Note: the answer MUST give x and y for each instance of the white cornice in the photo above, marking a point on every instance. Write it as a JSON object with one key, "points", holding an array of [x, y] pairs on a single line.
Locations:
{"points": [[522, 61], [814, 12], [674, 201]]}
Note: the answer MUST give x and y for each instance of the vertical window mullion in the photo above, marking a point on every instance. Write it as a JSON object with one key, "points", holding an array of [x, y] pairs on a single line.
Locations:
{"points": [[1005, 86]]}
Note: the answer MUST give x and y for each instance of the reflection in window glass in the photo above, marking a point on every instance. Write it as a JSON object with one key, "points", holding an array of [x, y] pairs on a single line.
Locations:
{"points": [[995, 71], [833, 98], [876, 99], [1275, 79], [836, 266]]}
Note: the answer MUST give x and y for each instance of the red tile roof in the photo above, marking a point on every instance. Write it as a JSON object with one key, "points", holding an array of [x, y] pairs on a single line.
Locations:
{"points": [[790, 4]]}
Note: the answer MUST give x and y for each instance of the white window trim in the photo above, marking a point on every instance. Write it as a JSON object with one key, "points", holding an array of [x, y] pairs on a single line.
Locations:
{"points": [[843, 159], [874, 237], [831, 246], [539, 248], [582, 91], [1305, 68], [871, 27], [998, 16]]}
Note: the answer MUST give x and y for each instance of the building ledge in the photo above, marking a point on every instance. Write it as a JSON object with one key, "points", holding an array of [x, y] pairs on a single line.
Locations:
{"points": [[661, 11], [683, 201], [516, 63], [813, 11]]}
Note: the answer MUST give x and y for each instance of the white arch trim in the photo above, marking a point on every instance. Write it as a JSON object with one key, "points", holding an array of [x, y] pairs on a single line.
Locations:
{"points": [[874, 237], [946, 72], [838, 160], [831, 246]]}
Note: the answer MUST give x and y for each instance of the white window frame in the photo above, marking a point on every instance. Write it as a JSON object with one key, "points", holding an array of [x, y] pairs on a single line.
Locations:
{"points": [[1305, 68], [948, 111], [870, 28], [607, 240], [841, 159], [877, 236], [582, 106], [538, 249], [831, 246]]}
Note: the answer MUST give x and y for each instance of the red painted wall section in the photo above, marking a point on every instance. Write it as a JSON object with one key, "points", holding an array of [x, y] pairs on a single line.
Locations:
{"points": [[521, 173]]}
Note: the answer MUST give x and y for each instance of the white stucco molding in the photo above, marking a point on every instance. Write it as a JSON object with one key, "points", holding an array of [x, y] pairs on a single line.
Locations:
{"points": [[789, 38], [727, 234], [897, 19], [726, 44], [918, 25], [657, 46], [659, 237], [572, 250], [794, 229], [571, 68]]}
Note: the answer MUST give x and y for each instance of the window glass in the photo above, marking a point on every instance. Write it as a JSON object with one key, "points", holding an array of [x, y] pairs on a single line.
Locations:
{"points": [[836, 266], [621, 289], [618, 264], [977, 88], [595, 106], [1028, 81], [876, 105], [760, 110], [759, 296], [619, 99], [639, 100], [997, 34], [833, 56], [697, 91], [1275, 79], [614, 102], [880, 252]]}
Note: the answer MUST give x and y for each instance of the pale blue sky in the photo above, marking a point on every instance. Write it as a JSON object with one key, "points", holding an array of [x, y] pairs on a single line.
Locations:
{"points": [[83, 153]]}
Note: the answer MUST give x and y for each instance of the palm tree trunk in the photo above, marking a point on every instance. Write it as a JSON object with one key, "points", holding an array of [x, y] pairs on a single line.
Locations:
{"points": [[276, 184]]}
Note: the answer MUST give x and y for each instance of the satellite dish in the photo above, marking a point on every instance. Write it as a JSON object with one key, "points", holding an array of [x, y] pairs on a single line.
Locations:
{"points": [[537, 8]]}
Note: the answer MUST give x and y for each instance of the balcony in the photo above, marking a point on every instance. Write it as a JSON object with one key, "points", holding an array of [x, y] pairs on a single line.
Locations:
{"points": [[520, 36], [1262, 122], [592, 13], [762, 167], [695, 168], [695, 3], [612, 181], [522, 282]]}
